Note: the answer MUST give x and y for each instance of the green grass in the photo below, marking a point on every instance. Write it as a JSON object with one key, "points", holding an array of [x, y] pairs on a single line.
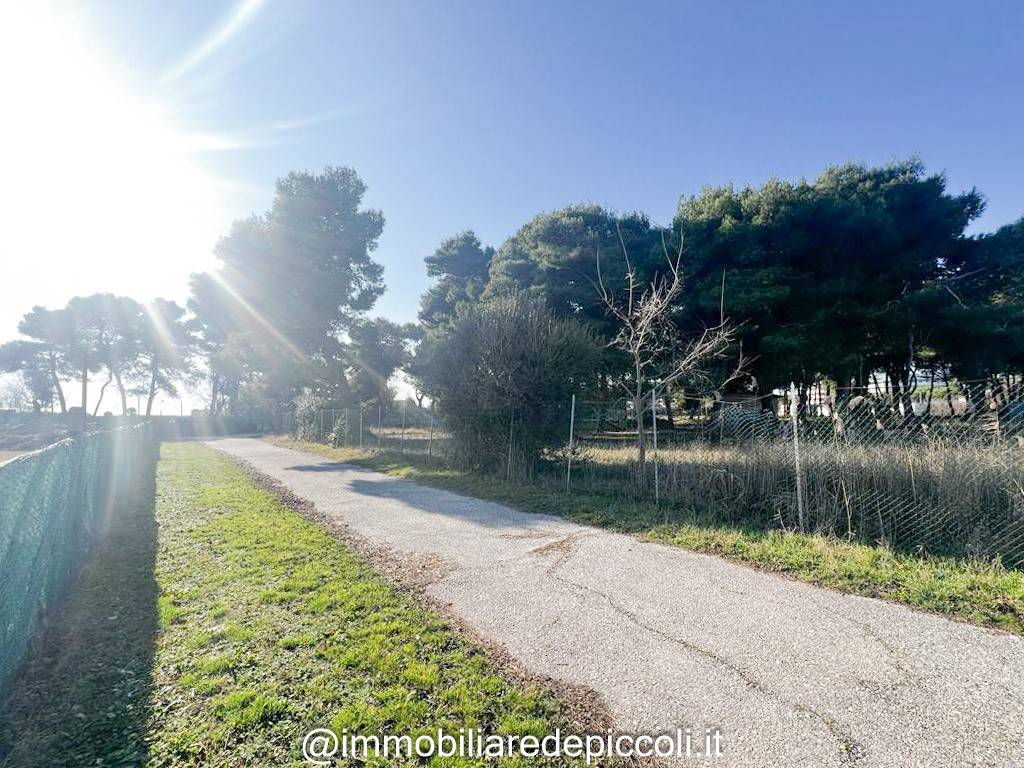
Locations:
{"points": [[261, 628], [981, 593]]}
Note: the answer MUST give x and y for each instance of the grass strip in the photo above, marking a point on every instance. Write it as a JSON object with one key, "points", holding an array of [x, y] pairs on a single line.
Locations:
{"points": [[978, 592], [258, 627]]}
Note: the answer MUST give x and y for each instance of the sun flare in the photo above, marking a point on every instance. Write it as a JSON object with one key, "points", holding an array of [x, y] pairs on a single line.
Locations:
{"points": [[102, 185]]}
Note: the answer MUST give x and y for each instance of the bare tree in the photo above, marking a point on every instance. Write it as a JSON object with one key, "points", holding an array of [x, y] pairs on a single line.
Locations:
{"points": [[15, 392], [660, 353]]}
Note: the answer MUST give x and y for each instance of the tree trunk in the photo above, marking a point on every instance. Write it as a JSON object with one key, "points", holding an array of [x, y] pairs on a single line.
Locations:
{"points": [[668, 412], [638, 413], [152, 386], [949, 394], [214, 394], [99, 400], [85, 393], [931, 392], [56, 384], [120, 388]]}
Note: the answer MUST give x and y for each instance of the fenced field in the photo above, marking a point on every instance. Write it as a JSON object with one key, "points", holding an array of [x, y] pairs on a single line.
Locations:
{"points": [[942, 476]]}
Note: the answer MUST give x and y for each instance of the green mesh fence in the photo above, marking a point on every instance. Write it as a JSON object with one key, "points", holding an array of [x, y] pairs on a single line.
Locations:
{"points": [[55, 504]]}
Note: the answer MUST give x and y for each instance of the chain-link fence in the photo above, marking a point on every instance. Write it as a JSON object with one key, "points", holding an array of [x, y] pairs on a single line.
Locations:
{"points": [[402, 427], [939, 470], [54, 505]]}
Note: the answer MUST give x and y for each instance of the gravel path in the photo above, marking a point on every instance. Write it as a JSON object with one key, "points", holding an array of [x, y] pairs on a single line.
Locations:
{"points": [[791, 674]]}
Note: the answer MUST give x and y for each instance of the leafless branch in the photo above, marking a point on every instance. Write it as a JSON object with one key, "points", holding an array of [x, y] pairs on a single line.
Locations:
{"points": [[648, 333]]}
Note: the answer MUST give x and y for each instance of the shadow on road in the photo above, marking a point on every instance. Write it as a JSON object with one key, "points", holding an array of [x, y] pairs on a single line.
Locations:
{"points": [[433, 500], [325, 467]]}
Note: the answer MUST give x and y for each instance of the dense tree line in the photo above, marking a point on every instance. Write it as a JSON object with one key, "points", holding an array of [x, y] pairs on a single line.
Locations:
{"points": [[864, 272], [284, 313], [143, 350]]}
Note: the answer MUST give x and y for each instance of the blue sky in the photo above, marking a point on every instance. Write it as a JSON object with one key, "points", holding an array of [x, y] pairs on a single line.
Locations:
{"points": [[480, 115]]}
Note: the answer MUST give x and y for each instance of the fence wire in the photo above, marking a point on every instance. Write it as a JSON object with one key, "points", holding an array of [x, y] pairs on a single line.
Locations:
{"points": [[402, 427], [54, 505], [940, 470]]}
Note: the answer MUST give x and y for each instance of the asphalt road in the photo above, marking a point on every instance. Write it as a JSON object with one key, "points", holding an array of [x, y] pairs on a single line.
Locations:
{"points": [[792, 675]]}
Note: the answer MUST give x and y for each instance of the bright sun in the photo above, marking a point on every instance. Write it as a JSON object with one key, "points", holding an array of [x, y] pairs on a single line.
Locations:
{"points": [[101, 190]]}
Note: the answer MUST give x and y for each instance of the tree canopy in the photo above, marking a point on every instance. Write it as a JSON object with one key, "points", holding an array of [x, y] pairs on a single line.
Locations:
{"points": [[862, 269], [837, 277], [290, 283]]}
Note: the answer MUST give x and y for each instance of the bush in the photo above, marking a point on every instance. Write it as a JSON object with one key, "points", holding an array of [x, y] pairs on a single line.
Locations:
{"points": [[307, 415], [509, 362], [340, 432]]}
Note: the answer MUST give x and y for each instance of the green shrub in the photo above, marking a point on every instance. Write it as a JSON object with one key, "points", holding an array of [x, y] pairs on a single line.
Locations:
{"points": [[505, 366]]}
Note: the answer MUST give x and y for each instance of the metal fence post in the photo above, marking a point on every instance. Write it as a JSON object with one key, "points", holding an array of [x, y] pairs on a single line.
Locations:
{"points": [[654, 429], [794, 408], [572, 426], [430, 439], [508, 466], [360, 426]]}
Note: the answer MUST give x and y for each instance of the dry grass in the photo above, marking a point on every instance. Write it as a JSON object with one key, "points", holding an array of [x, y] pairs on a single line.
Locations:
{"points": [[979, 591], [964, 500]]}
